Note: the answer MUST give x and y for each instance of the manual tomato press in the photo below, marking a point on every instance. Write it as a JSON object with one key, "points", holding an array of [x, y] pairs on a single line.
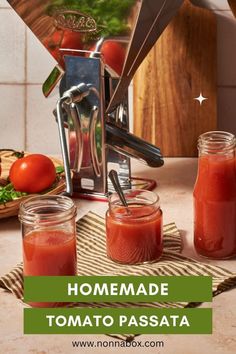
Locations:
{"points": [[98, 46]]}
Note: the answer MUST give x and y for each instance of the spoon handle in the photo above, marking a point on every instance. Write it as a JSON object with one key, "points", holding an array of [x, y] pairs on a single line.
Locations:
{"points": [[116, 184]]}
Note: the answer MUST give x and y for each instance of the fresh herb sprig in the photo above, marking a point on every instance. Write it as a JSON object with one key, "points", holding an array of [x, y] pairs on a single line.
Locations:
{"points": [[8, 193], [110, 15], [59, 170]]}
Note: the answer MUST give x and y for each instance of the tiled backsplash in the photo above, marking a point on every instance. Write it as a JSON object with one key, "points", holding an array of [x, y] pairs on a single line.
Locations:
{"points": [[26, 120], [12, 44], [4, 4]]}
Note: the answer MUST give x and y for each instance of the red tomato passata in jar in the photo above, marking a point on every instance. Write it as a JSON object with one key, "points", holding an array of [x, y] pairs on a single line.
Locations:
{"points": [[32, 174], [215, 196], [50, 252], [215, 207], [134, 238], [49, 238]]}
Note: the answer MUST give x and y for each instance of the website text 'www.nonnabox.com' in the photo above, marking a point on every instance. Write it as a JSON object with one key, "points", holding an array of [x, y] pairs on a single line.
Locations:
{"points": [[118, 344]]}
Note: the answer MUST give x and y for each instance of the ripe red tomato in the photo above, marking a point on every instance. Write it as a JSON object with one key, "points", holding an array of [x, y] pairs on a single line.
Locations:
{"points": [[71, 40], [114, 55], [32, 174], [65, 40], [53, 41]]}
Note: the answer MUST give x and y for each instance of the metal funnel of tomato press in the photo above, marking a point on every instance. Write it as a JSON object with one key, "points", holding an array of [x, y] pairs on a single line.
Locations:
{"points": [[98, 46]]}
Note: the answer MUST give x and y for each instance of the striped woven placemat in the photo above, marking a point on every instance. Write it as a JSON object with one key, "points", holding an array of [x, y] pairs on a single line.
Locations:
{"points": [[92, 260]]}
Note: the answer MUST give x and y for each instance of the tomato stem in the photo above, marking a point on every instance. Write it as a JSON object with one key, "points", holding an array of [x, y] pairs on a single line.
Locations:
{"points": [[18, 154]]}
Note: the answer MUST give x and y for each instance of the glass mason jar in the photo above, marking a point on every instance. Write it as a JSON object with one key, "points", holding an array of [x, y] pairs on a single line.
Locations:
{"points": [[134, 235], [215, 196], [49, 237]]}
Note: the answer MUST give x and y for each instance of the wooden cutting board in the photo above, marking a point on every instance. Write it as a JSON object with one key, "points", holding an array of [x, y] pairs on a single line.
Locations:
{"points": [[181, 65]]}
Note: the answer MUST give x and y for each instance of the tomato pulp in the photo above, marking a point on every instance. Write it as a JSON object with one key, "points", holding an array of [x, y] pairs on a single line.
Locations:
{"points": [[51, 252], [215, 207], [134, 238]]}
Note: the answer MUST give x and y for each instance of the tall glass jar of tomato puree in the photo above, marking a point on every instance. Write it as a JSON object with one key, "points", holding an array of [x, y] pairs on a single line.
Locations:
{"points": [[49, 237], [134, 235], [215, 196]]}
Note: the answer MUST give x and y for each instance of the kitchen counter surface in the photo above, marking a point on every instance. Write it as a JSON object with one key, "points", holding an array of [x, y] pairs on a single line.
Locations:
{"points": [[175, 185]]}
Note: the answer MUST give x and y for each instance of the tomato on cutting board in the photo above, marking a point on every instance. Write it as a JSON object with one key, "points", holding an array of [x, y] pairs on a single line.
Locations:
{"points": [[32, 174]]}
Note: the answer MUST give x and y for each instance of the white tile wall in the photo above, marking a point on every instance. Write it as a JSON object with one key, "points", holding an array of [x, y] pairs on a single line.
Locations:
{"points": [[12, 116], [12, 44], [41, 128], [26, 120], [25, 64], [4, 4], [39, 61]]}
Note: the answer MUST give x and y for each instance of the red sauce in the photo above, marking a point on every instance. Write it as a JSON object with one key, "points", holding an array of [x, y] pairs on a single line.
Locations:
{"points": [[51, 252], [215, 207], [134, 238]]}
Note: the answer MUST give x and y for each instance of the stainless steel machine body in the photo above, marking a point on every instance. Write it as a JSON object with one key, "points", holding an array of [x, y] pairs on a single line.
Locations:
{"points": [[93, 103]]}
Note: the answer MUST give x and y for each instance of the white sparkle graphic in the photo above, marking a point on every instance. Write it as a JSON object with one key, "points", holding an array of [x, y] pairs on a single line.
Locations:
{"points": [[200, 98]]}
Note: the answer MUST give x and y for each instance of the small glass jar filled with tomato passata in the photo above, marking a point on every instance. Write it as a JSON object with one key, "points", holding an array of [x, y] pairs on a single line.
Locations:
{"points": [[134, 234], [215, 196], [49, 237]]}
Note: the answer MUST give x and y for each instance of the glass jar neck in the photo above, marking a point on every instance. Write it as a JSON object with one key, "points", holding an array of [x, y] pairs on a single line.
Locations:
{"points": [[47, 210], [138, 199], [216, 143]]}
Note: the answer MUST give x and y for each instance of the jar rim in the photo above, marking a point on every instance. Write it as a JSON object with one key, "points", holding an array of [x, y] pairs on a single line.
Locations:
{"points": [[47, 209], [133, 193], [216, 142]]}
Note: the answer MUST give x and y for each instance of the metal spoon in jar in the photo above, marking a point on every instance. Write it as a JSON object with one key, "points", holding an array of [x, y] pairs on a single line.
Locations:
{"points": [[116, 184]]}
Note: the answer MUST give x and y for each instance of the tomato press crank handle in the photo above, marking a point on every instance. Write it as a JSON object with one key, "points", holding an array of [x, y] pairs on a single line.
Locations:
{"points": [[75, 115], [64, 149], [74, 94], [130, 145], [72, 111]]}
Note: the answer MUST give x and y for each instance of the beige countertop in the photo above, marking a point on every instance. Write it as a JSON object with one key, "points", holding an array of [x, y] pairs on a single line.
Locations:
{"points": [[175, 184]]}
